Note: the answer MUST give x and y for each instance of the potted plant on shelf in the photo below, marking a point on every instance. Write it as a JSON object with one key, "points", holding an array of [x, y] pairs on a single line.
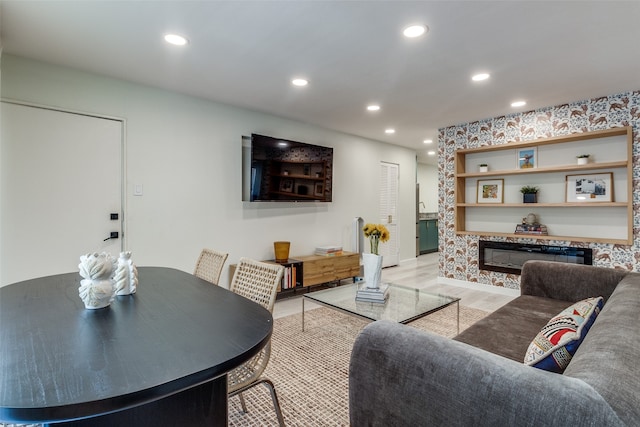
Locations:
{"points": [[583, 159], [529, 194], [483, 167]]}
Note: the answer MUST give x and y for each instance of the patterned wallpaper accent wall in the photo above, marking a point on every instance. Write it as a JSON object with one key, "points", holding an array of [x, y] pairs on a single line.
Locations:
{"points": [[459, 254]]}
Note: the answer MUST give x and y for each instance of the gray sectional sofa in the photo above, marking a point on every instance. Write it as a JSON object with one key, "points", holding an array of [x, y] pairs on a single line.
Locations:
{"points": [[400, 376]]}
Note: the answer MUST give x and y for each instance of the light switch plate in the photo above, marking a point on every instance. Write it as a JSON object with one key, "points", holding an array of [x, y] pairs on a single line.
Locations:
{"points": [[137, 190]]}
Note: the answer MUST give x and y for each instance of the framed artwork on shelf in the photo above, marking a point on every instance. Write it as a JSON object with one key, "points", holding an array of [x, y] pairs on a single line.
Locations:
{"points": [[590, 188], [527, 158], [319, 189], [286, 185], [490, 191]]}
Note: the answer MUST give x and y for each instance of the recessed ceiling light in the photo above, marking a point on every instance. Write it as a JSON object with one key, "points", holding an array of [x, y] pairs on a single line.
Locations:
{"points": [[480, 77], [373, 107], [175, 39], [414, 31], [282, 144], [431, 153], [299, 82], [389, 131], [518, 104], [428, 141]]}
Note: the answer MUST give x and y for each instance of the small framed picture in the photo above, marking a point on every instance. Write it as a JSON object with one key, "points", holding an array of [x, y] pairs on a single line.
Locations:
{"points": [[490, 191], [319, 189], [306, 169], [527, 158], [286, 185], [590, 188]]}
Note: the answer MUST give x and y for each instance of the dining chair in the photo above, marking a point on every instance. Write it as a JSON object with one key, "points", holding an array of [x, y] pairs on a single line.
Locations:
{"points": [[209, 265], [257, 281]]}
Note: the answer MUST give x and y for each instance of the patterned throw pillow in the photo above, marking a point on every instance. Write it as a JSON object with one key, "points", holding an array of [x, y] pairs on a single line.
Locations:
{"points": [[557, 342]]}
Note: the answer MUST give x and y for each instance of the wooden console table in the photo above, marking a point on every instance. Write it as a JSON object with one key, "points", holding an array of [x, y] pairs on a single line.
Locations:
{"points": [[318, 269]]}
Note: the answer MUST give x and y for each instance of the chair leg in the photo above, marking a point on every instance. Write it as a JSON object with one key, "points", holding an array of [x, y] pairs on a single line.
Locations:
{"points": [[242, 403], [274, 397]]}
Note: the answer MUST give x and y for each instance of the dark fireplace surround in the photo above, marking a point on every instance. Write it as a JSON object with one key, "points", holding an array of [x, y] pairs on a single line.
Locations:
{"points": [[505, 257]]}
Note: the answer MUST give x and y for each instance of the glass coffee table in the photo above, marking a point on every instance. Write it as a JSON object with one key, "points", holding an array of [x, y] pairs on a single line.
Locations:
{"points": [[403, 304]]}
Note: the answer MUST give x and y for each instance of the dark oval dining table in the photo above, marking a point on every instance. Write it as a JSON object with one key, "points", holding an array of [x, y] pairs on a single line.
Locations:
{"points": [[155, 358]]}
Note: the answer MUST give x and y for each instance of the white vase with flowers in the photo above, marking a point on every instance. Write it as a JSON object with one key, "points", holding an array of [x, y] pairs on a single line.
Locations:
{"points": [[372, 262]]}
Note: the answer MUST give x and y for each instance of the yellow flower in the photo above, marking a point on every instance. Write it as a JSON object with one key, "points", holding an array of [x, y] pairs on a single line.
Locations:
{"points": [[376, 233]]}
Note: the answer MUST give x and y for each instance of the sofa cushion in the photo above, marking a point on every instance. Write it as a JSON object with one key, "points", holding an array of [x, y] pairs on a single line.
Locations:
{"points": [[508, 330], [557, 342]]}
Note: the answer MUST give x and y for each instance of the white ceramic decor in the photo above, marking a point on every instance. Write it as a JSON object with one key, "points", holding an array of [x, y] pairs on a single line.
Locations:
{"points": [[126, 275], [97, 289]]}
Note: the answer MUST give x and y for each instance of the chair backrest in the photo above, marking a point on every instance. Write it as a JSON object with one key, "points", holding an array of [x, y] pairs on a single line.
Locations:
{"points": [[257, 281], [209, 265]]}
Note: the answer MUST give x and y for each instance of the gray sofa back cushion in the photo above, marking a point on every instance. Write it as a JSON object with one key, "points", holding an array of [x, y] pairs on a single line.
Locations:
{"points": [[608, 357], [555, 280]]}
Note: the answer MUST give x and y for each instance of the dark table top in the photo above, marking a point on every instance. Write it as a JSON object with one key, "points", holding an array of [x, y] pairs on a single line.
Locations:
{"points": [[60, 361]]}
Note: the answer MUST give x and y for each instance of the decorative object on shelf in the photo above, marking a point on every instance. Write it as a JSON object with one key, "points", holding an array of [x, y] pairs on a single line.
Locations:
{"points": [[590, 188], [286, 185], [372, 262], [529, 194], [490, 191], [281, 250], [530, 219], [285, 172], [126, 275], [530, 225], [375, 295], [583, 159], [527, 158], [97, 289], [536, 229], [483, 167]]}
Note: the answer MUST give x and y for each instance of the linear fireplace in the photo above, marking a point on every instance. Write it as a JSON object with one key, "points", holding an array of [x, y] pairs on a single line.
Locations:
{"points": [[509, 257]]}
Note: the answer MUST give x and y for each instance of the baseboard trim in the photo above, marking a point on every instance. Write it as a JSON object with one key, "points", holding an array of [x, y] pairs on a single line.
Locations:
{"points": [[479, 286]]}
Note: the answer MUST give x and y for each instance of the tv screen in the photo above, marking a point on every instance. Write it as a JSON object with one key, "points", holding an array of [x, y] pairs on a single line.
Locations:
{"points": [[289, 171]]}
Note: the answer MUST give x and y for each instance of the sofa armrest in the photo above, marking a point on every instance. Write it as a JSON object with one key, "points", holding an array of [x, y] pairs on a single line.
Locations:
{"points": [[400, 376], [568, 282]]}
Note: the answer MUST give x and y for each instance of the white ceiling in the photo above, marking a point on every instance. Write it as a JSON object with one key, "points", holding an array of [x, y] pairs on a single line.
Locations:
{"points": [[244, 53]]}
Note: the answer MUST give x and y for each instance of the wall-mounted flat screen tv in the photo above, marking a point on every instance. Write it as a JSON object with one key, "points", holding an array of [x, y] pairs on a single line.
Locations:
{"points": [[288, 171]]}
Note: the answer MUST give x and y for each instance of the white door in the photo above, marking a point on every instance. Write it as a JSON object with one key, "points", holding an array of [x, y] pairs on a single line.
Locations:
{"points": [[61, 179], [389, 185]]}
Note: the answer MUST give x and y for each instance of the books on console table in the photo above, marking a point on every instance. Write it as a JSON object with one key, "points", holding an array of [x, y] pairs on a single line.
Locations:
{"points": [[329, 250], [378, 295]]}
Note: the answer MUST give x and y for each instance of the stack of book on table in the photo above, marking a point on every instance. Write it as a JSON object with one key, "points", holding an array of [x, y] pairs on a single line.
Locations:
{"points": [[329, 250], [538, 229], [378, 295]]}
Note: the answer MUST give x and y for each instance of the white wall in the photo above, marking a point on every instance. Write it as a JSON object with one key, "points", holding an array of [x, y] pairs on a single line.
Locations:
{"points": [[186, 152], [428, 180]]}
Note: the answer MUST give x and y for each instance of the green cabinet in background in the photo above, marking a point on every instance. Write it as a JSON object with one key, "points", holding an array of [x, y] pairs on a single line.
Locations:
{"points": [[428, 235]]}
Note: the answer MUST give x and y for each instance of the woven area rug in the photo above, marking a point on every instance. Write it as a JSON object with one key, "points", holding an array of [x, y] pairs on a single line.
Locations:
{"points": [[310, 369]]}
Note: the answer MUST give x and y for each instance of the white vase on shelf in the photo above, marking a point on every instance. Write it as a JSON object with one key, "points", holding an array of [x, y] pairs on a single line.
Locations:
{"points": [[372, 265]]}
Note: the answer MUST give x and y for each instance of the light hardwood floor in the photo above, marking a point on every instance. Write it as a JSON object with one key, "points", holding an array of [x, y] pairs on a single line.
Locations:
{"points": [[423, 274]]}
